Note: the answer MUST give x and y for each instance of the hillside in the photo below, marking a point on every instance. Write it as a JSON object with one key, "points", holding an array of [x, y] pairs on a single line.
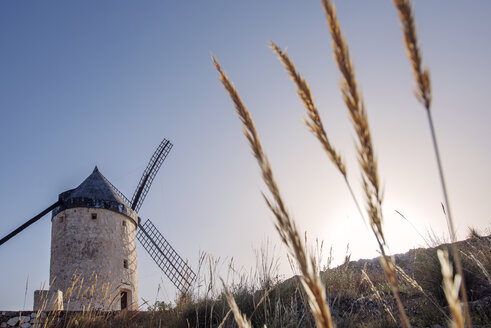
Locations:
{"points": [[353, 299], [356, 299]]}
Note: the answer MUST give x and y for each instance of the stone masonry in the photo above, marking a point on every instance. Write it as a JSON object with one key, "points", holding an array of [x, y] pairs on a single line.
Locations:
{"points": [[48, 300], [93, 259]]}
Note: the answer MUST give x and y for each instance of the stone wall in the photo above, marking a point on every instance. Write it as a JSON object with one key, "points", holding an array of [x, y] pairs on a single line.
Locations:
{"points": [[25, 319], [93, 259], [59, 319]]}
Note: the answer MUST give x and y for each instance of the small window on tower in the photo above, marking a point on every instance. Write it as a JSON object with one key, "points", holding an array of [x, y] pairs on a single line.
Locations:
{"points": [[125, 264], [94, 216], [61, 218], [124, 223]]}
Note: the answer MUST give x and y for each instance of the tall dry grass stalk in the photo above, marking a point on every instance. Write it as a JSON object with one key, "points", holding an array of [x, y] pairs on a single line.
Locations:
{"points": [[451, 288], [375, 292], [364, 146], [424, 96], [414, 228], [422, 75], [284, 225], [25, 293], [480, 266], [240, 318], [416, 285], [410, 280], [224, 319], [313, 120]]}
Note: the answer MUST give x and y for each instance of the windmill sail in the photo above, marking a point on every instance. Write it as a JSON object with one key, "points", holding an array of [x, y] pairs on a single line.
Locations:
{"points": [[28, 223], [174, 267], [151, 170]]}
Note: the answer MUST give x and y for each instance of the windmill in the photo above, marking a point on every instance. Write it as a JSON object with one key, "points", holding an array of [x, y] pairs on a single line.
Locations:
{"points": [[94, 227]]}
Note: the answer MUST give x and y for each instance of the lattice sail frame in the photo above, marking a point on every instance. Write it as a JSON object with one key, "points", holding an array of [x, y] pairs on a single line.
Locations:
{"points": [[149, 174], [174, 267]]}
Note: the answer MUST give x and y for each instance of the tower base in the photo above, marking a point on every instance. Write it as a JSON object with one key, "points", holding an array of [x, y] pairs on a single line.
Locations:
{"points": [[48, 300]]}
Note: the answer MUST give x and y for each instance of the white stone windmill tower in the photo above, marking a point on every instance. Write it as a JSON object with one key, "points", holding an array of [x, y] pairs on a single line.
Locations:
{"points": [[93, 245]]}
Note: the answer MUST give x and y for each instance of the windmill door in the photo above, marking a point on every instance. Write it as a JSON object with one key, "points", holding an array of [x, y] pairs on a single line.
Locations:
{"points": [[124, 300]]}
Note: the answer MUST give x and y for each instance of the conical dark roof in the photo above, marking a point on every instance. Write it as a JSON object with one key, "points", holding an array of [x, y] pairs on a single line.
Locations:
{"points": [[95, 192], [96, 187]]}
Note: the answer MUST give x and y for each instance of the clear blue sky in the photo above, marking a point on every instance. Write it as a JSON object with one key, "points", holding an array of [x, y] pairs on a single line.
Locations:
{"points": [[85, 83]]}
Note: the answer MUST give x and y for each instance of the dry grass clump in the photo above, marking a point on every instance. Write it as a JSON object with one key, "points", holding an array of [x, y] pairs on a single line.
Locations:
{"points": [[426, 268], [257, 293], [355, 300], [90, 292]]}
